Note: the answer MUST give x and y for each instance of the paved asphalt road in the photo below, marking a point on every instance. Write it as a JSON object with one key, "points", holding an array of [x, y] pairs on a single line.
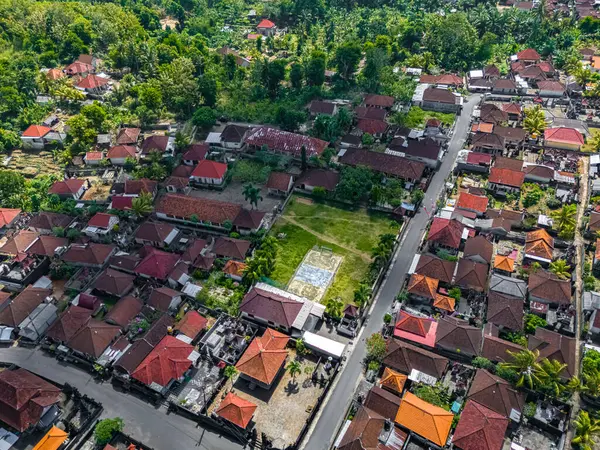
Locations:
{"points": [[331, 416], [143, 421], [162, 431]]}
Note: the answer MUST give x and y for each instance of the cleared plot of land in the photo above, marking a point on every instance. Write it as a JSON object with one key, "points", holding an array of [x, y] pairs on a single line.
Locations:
{"points": [[315, 274], [349, 234]]}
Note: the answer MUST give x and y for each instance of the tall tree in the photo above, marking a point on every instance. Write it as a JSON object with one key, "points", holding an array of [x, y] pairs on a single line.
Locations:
{"points": [[315, 68], [535, 121], [252, 194], [524, 363], [347, 57]]}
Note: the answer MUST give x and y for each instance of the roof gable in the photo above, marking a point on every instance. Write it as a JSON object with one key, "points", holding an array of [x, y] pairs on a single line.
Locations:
{"points": [[479, 428], [428, 421]]}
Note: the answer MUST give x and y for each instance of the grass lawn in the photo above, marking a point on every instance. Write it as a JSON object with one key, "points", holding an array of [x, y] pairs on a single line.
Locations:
{"points": [[356, 232], [588, 147], [417, 117], [248, 171]]}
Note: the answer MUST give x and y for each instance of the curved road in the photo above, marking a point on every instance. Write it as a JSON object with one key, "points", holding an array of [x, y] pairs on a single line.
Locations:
{"points": [[330, 418]]}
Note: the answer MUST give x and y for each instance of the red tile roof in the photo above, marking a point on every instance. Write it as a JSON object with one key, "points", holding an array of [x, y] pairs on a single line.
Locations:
{"points": [[136, 187], [156, 264], [372, 126], [457, 335], [121, 202], [279, 181], [77, 67], [55, 74], [192, 324], [121, 151], [69, 323], [93, 338], [94, 156], [475, 202], [19, 242], [195, 152], [551, 85], [23, 398], [479, 158], [236, 410], [448, 79], [546, 286], [446, 232], [285, 142], [528, 54], [235, 268], [154, 143], [167, 361], [479, 428], [495, 393], [422, 286], [48, 220], [92, 81], [265, 23], [564, 135], [36, 131], [92, 253], [326, 179], [47, 245], [506, 177], [128, 136], [230, 247], [206, 210], [154, 231], [405, 357], [382, 101], [271, 307], [264, 357], [437, 268], [381, 162], [70, 186], [482, 127], [412, 324], [363, 432], [209, 169], [124, 311], [16, 310], [100, 220], [114, 282], [505, 310]]}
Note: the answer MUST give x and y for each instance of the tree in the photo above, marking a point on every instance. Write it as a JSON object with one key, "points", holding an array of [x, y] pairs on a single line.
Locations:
{"points": [[178, 85], [455, 293], [142, 205], [204, 117], [416, 196], [296, 75], [586, 429], [532, 322], [294, 369], [362, 295], [230, 372], [548, 372], [376, 347], [524, 363], [560, 269], [452, 40], [252, 194], [355, 184], [333, 307], [289, 118], [315, 69], [9, 140], [106, 428], [565, 218], [535, 121], [12, 187], [346, 59], [303, 160], [208, 89]]}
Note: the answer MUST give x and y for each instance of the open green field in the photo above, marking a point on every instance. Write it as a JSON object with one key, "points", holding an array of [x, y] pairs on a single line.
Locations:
{"points": [[351, 234]]}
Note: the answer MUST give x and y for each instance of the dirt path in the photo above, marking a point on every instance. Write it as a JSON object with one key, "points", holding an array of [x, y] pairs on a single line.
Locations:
{"points": [[365, 256]]}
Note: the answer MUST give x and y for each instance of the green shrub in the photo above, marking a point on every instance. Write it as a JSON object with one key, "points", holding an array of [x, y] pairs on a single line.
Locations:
{"points": [[106, 429], [483, 363]]}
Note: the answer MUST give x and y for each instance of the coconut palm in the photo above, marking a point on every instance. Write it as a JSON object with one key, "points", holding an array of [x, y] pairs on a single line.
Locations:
{"points": [[334, 307], [548, 372], [560, 269], [142, 205], [380, 255], [230, 372], [294, 368], [524, 363], [387, 240], [586, 429], [535, 121], [362, 295], [565, 218], [252, 194]]}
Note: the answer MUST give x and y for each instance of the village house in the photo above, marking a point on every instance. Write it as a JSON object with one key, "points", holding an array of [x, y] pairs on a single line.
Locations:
{"points": [[422, 289], [157, 234], [36, 137], [194, 154], [457, 336], [209, 172], [434, 267], [239, 59], [322, 178], [266, 27], [446, 234], [71, 188], [128, 136], [119, 154], [100, 225], [280, 184], [491, 143], [284, 142], [233, 136], [545, 287], [165, 299], [165, 145], [563, 137], [505, 181], [124, 311], [321, 107], [390, 165], [93, 85], [264, 359], [405, 357], [539, 246], [435, 99], [504, 86], [379, 101]]}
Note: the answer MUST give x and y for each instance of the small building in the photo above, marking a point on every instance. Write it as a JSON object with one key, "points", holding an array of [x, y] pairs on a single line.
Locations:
{"points": [[234, 269], [93, 158], [505, 310], [479, 428], [36, 137], [284, 142], [9, 217], [422, 289], [497, 394], [280, 184], [156, 264], [124, 311], [266, 27], [236, 410], [551, 88], [470, 274], [71, 188], [101, 225], [319, 107], [128, 136], [545, 287], [93, 338], [474, 203], [89, 255], [504, 86], [114, 282], [435, 99], [264, 359], [157, 234], [426, 420], [165, 145], [233, 136], [478, 249], [191, 325], [445, 233], [194, 154], [539, 246], [563, 137], [165, 299], [93, 84], [505, 181], [407, 358], [209, 172], [379, 101], [457, 336], [322, 178], [119, 154]]}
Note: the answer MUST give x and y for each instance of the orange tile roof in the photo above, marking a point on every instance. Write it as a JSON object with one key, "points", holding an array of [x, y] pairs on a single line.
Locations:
{"points": [[507, 177], [413, 324], [426, 420], [539, 243], [264, 356], [504, 263], [423, 286], [393, 380], [564, 135], [234, 268], [477, 203], [52, 440], [539, 234], [36, 131], [444, 302], [236, 410], [482, 127]]}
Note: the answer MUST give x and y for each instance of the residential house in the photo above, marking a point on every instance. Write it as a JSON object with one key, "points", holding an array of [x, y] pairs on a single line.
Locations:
{"points": [[393, 381], [436, 268], [284, 142], [9, 217], [505, 181], [504, 265], [492, 114], [165, 145], [445, 233], [443, 100], [79, 68], [128, 136], [563, 137], [364, 431], [504, 86], [491, 143], [351, 140], [421, 288], [471, 275], [212, 213], [93, 338], [25, 398], [479, 428], [15, 312], [505, 310], [18, 243], [233, 136], [538, 173], [264, 359], [124, 311], [93, 158], [551, 88], [312, 178], [68, 323], [539, 246], [478, 249], [320, 107], [177, 185], [594, 222], [236, 410], [369, 112], [376, 128], [134, 188], [209, 172], [474, 203], [157, 234], [457, 336], [156, 264], [165, 299], [445, 79], [121, 203], [93, 84], [500, 221], [555, 346], [379, 101], [89, 255], [234, 270], [514, 111], [191, 325], [239, 59], [424, 419], [194, 154], [545, 287], [389, 165], [71, 188], [119, 154], [419, 330], [513, 287], [114, 282], [266, 27], [496, 394], [49, 246], [382, 402], [101, 225], [280, 184], [468, 161], [495, 348], [167, 363], [528, 56], [426, 151], [226, 247], [406, 358], [45, 222]]}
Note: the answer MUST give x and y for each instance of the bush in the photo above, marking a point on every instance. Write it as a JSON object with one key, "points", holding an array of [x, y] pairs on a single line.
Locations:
{"points": [[483, 363], [387, 318], [532, 322], [374, 366], [533, 194], [446, 255], [376, 347], [529, 409], [319, 192], [106, 429], [553, 203], [436, 395], [508, 374]]}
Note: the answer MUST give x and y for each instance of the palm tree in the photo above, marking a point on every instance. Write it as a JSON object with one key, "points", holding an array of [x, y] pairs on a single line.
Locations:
{"points": [[252, 194], [535, 121], [591, 384], [380, 255], [362, 295], [334, 307], [548, 372], [230, 372], [560, 269], [294, 368], [524, 363], [565, 218], [142, 205], [586, 429], [387, 240]]}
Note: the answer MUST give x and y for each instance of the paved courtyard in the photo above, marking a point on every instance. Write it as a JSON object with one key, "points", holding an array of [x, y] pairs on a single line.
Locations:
{"points": [[315, 274], [233, 193]]}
